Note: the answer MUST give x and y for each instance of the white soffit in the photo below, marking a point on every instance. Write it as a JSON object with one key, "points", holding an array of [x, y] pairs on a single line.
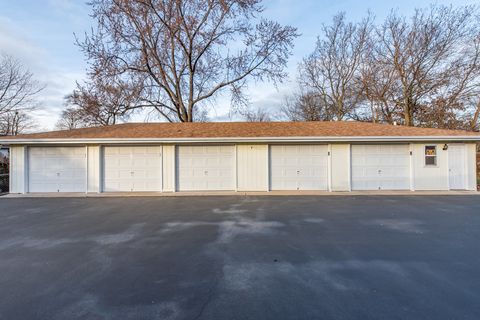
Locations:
{"points": [[241, 140]]}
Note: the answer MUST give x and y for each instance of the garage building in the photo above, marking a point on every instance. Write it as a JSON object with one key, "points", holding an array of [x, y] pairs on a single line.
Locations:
{"points": [[243, 156]]}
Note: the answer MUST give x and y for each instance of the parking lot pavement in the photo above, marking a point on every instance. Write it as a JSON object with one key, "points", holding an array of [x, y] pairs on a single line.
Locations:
{"points": [[301, 257]]}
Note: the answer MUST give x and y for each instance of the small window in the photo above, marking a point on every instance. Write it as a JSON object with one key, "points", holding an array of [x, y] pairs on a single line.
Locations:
{"points": [[430, 155]]}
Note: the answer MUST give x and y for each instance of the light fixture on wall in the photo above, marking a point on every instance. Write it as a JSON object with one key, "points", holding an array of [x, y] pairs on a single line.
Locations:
{"points": [[445, 147]]}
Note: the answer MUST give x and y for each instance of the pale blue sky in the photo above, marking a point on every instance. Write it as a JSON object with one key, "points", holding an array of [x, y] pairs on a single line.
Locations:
{"points": [[40, 34]]}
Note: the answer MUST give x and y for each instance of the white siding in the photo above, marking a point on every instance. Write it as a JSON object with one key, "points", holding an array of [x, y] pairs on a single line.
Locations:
{"points": [[252, 167], [18, 169], [429, 177], [340, 167], [472, 166], [93, 169], [169, 168]]}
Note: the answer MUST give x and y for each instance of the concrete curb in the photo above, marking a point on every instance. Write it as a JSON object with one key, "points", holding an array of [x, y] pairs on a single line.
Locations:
{"points": [[240, 194]]}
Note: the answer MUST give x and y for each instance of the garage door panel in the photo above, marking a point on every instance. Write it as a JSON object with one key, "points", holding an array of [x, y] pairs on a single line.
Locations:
{"points": [[136, 169], [57, 169], [205, 168], [118, 174], [71, 186], [298, 167], [384, 167]]}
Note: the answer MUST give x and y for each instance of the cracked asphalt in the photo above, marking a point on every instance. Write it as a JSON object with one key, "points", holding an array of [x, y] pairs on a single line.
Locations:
{"points": [[286, 257]]}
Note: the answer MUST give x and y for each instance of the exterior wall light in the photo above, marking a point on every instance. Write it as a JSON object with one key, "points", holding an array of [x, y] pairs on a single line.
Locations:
{"points": [[445, 147]]}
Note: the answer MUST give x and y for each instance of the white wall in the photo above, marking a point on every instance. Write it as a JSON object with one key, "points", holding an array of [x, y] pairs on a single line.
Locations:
{"points": [[471, 149], [93, 169], [18, 167], [340, 167], [168, 158], [252, 167], [429, 177]]}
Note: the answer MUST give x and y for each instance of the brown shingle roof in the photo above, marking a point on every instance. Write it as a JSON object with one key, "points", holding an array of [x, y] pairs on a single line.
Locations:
{"points": [[244, 130]]}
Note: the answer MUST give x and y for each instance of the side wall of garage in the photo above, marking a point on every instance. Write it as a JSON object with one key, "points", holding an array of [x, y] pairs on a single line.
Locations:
{"points": [[433, 177], [252, 167], [168, 168], [340, 167], [93, 169], [472, 166], [18, 169], [438, 176]]}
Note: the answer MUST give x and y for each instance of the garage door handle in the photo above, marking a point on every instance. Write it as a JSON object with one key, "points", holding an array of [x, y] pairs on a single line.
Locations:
{"points": [[206, 173]]}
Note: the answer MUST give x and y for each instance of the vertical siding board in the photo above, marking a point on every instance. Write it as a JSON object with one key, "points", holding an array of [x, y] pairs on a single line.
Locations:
{"points": [[340, 167], [168, 159], [17, 169], [471, 153], [93, 169], [252, 165]]}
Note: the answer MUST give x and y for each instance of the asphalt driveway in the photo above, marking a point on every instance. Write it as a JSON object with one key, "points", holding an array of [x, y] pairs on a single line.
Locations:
{"points": [[341, 257]]}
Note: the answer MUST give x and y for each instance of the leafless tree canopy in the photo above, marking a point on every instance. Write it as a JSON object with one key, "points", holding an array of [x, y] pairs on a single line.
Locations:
{"points": [[15, 122], [100, 102], [18, 90], [328, 74], [256, 114], [71, 118], [305, 107], [183, 53], [417, 71]]}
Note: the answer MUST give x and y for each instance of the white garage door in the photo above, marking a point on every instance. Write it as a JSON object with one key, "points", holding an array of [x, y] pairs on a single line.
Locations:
{"points": [[299, 167], [207, 168], [380, 167], [137, 169], [57, 169]]}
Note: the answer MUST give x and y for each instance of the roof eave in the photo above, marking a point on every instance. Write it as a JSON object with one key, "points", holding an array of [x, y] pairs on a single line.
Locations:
{"points": [[73, 141]]}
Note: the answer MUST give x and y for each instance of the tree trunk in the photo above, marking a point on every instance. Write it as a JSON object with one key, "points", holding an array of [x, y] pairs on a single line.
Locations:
{"points": [[473, 123]]}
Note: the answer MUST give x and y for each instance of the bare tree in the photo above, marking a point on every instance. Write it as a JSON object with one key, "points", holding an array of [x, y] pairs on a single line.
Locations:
{"points": [[186, 51], [70, 118], [474, 120], [305, 107], [15, 122], [101, 102], [429, 60], [330, 72], [17, 86], [256, 115], [418, 71]]}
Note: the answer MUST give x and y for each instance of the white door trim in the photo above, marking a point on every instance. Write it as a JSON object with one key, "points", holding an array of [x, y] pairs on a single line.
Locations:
{"points": [[464, 162]]}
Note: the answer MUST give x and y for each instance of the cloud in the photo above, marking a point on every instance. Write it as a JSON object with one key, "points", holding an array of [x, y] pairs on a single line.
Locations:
{"points": [[15, 41], [61, 5]]}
